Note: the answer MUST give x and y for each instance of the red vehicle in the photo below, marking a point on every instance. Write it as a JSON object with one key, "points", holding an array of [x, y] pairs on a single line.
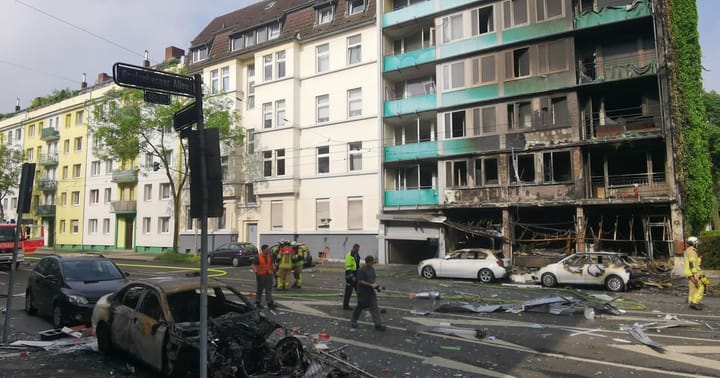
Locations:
{"points": [[28, 242]]}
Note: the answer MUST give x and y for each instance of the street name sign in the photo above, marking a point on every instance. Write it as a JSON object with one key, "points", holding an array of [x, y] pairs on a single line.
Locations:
{"points": [[185, 117], [128, 75], [157, 98]]}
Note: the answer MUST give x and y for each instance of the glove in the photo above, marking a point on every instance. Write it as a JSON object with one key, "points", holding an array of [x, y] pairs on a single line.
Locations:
{"points": [[705, 281]]}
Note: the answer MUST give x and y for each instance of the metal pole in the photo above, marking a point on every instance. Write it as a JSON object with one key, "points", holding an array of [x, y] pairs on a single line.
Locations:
{"points": [[203, 228], [11, 284]]}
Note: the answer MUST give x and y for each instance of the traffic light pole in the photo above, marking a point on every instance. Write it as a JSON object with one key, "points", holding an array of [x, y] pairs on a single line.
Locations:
{"points": [[203, 229]]}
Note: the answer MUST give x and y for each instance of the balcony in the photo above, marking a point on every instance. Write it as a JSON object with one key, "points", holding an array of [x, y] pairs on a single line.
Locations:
{"points": [[611, 69], [410, 105], [608, 15], [48, 160], [411, 151], [630, 186], [45, 210], [124, 207], [49, 134], [412, 197], [409, 59], [415, 11], [125, 176], [46, 185]]}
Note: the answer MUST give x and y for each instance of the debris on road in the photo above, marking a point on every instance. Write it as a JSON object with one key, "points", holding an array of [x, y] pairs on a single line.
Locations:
{"points": [[419, 312], [637, 331], [468, 333], [426, 295]]}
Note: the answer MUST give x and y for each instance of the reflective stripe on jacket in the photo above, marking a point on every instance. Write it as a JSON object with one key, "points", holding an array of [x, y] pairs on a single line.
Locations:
{"points": [[264, 266]]}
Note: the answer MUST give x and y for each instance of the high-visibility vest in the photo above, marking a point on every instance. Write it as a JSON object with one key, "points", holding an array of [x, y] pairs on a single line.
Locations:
{"points": [[264, 266]]}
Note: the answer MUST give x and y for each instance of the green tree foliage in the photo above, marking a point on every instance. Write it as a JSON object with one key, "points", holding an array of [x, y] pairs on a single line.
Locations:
{"points": [[712, 110], [56, 96], [11, 160], [127, 129], [692, 131]]}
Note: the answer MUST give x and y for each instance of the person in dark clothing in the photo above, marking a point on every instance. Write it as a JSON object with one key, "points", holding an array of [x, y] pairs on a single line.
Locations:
{"points": [[352, 263], [367, 298]]}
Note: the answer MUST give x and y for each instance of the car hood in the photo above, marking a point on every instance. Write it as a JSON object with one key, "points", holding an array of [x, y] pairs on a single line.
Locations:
{"points": [[93, 290]]}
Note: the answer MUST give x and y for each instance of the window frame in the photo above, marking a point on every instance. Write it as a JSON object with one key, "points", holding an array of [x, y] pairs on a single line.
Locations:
{"points": [[354, 48], [481, 172], [280, 64], [322, 107], [322, 58], [355, 213], [322, 160], [509, 10], [354, 156], [267, 67], [354, 102], [325, 14], [353, 8], [165, 191]]}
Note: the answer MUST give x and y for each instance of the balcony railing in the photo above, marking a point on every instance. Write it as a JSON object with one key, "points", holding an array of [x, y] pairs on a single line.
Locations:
{"points": [[411, 197], [48, 134], [610, 69], [49, 159], [45, 210], [125, 176], [47, 185], [607, 15], [124, 207], [630, 186]]}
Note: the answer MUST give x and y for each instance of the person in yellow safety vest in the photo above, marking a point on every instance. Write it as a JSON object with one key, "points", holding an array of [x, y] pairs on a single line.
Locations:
{"points": [[284, 265], [275, 253], [298, 262], [696, 285]]}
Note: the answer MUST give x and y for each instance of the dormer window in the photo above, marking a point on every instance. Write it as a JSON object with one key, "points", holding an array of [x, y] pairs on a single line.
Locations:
{"points": [[199, 54], [325, 14], [356, 6]]}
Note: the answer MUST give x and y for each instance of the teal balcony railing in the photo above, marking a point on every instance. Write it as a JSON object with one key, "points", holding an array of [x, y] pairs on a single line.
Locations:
{"points": [[45, 210], [410, 105], [49, 134], [48, 159], [411, 151], [409, 59], [125, 176], [412, 197], [124, 207], [608, 15], [46, 185]]}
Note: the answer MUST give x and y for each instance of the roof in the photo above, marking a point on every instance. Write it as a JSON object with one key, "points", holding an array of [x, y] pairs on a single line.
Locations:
{"points": [[78, 256], [171, 285]]}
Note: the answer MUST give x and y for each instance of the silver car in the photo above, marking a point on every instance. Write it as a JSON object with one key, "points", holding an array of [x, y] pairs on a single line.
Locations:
{"points": [[479, 263]]}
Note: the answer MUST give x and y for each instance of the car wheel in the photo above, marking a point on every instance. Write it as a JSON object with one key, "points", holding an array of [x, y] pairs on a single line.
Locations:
{"points": [[57, 317], [235, 262], [104, 338], [615, 283], [29, 308], [428, 272], [486, 276], [548, 280], [210, 260]]}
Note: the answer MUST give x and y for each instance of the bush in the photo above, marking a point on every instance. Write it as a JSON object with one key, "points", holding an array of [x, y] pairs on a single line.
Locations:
{"points": [[709, 249], [178, 257]]}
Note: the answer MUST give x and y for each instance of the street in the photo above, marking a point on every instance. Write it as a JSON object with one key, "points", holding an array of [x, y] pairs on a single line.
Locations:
{"points": [[530, 343]]}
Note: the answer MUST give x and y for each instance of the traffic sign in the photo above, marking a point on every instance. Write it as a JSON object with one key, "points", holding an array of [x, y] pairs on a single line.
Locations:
{"points": [[185, 117], [157, 98], [128, 75]]}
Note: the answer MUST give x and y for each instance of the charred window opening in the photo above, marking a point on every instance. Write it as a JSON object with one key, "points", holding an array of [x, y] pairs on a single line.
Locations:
{"points": [[483, 20], [519, 115], [517, 63], [151, 306], [455, 124], [486, 172], [484, 121], [456, 173], [131, 296], [413, 177], [522, 169], [557, 167]]}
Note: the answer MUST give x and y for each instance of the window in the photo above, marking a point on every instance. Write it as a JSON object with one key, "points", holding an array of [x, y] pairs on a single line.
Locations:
{"points": [[515, 13], [93, 226], [107, 197], [482, 20], [354, 98], [486, 172], [484, 121], [517, 63], [267, 67], [267, 163], [95, 168], [453, 75], [322, 212], [31, 129], [68, 120], [66, 146], [483, 70], [146, 225], [522, 169], [454, 124], [262, 34], [323, 159], [94, 196], [106, 226], [188, 219], [199, 54], [164, 225], [224, 167], [452, 28], [251, 86], [63, 199], [280, 162], [280, 64], [280, 113], [276, 215], [250, 194], [549, 9], [250, 38], [267, 115], [456, 173], [355, 213], [18, 134], [74, 226], [78, 144], [557, 167], [65, 172], [147, 192], [322, 106], [108, 166], [554, 111], [354, 49], [62, 226], [76, 170], [151, 306], [222, 220], [225, 73], [356, 6], [79, 117], [30, 154], [214, 82], [552, 57], [322, 58], [75, 198], [164, 191], [274, 30], [355, 156], [324, 15], [519, 115]]}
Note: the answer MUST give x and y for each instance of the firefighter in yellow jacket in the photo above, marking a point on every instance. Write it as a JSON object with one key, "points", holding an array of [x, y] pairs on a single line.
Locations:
{"points": [[301, 251], [284, 263], [696, 280]]}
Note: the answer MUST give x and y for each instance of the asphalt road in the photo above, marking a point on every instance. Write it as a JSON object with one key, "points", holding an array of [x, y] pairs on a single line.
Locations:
{"points": [[530, 343]]}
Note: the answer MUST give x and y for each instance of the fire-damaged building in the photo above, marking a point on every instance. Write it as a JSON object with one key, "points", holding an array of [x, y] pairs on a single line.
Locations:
{"points": [[527, 126]]}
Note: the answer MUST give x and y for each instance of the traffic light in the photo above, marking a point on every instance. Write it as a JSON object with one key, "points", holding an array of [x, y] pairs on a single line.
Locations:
{"points": [[156, 166], [213, 171]]}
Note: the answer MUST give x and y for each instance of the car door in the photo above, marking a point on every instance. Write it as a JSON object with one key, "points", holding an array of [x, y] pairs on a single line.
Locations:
{"points": [[122, 315], [453, 266], [596, 269], [222, 254], [572, 270], [148, 329], [35, 285], [48, 285]]}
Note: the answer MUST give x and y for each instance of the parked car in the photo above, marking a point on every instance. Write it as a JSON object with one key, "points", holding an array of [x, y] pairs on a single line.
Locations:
{"points": [[594, 268], [66, 288], [479, 263], [233, 253]]}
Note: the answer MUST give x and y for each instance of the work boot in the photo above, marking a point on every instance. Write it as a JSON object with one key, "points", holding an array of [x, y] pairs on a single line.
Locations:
{"points": [[259, 306], [380, 327], [272, 305], [347, 307], [353, 327], [696, 306]]}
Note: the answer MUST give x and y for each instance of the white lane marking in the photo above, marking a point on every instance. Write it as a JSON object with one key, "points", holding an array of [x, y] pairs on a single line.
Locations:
{"points": [[301, 306], [672, 353]]}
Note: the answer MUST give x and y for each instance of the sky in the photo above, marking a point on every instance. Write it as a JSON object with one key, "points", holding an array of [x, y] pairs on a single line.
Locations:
{"points": [[48, 44]]}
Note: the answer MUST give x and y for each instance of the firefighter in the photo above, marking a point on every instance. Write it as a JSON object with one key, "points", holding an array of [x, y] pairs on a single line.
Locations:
{"points": [[301, 251], [284, 265], [275, 253], [696, 281]]}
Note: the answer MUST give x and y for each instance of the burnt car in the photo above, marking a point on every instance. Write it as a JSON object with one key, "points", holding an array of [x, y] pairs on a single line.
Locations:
{"points": [[67, 287], [235, 254], [157, 321], [609, 269]]}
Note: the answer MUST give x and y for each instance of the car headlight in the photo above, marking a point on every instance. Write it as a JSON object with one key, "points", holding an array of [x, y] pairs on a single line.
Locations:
{"points": [[77, 299]]}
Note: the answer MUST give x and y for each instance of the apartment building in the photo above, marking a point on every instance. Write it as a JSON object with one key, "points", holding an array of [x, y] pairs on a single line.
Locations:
{"points": [[526, 126], [303, 75]]}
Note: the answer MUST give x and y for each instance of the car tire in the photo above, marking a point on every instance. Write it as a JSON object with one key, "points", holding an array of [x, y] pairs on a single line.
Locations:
{"points": [[548, 280], [235, 262], [29, 308], [615, 284], [428, 272], [210, 260], [485, 276], [186, 364], [57, 317], [104, 338]]}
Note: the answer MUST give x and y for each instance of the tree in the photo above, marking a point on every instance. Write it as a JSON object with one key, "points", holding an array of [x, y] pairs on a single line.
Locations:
{"points": [[126, 128], [712, 110], [11, 160]]}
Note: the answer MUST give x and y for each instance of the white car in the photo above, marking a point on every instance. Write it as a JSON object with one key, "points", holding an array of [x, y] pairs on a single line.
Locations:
{"points": [[608, 269], [478, 263]]}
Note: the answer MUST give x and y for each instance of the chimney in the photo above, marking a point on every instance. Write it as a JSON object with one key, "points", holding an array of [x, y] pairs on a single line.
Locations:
{"points": [[17, 104], [146, 62], [83, 83], [103, 77], [173, 52]]}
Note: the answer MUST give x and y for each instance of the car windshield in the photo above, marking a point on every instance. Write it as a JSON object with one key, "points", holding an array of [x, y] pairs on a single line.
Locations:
{"points": [[90, 270], [7, 233], [185, 305]]}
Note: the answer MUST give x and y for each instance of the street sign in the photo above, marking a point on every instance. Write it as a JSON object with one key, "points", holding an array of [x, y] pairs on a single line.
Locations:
{"points": [[128, 75], [185, 117], [157, 98]]}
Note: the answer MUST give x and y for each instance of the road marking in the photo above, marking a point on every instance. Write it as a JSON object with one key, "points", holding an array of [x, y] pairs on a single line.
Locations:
{"points": [[678, 353], [211, 272], [301, 306]]}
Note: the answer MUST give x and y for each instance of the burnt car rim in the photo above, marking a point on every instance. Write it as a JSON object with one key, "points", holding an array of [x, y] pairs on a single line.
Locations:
{"points": [[614, 283], [548, 280]]}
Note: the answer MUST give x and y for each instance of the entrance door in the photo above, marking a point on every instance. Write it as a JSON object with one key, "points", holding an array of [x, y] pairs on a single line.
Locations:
{"points": [[51, 232], [251, 233], [129, 222]]}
